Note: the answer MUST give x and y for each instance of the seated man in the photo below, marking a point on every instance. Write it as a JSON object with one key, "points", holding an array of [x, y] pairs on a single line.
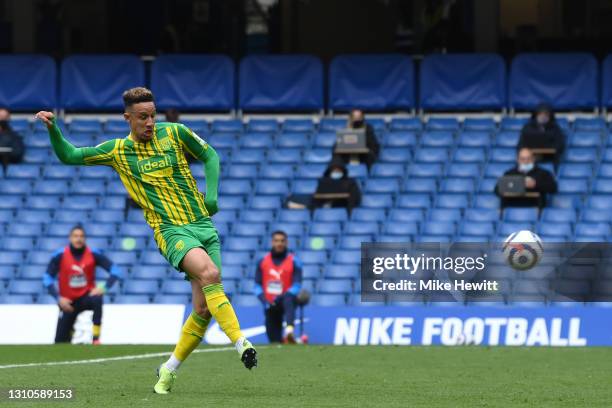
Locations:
{"points": [[357, 121], [75, 268], [538, 183], [336, 188], [11, 143], [278, 280], [543, 134]]}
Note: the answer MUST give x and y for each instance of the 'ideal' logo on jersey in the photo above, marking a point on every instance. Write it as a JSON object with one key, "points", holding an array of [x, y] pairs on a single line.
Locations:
{"points": [[153, 164]]}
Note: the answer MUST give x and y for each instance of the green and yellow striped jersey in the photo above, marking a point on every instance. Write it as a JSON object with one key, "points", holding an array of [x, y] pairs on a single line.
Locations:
{"points": [[156, 173]]}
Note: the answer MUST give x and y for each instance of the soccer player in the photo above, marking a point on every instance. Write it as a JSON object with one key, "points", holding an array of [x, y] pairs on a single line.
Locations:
{"points": [[153, 168], [75, 267]]}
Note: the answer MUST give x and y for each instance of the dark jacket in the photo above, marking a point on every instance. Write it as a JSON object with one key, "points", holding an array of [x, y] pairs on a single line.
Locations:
{"points": [[345, 184], [10, 138], [545, 184], [549, 135]]}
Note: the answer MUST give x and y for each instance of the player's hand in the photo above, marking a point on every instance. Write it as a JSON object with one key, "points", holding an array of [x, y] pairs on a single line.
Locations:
{"points": [[530, 182], [46, 118], [66, 305], [96, 292], [211, 206]]}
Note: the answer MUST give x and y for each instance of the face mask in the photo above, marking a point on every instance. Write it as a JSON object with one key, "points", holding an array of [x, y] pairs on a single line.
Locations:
{"points": [[336, 175], [358, 123], [525, 167], [4, 124]]}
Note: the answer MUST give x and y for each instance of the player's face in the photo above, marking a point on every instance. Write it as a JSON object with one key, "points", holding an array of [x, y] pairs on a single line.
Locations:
{"points": [[141, 117], [279, 243], [77, 239]]}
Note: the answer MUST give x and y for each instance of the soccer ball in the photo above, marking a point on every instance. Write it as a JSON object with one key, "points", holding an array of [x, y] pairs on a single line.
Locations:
{"points": [[523, 250]]}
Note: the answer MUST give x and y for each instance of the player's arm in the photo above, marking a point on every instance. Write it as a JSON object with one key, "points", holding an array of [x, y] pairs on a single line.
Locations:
{"points": [[70, 154], [202, 151], [257, 288], [115, 272], [50, 275]]}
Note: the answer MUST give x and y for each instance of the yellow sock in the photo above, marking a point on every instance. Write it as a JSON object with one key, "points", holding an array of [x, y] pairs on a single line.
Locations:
{"points": [[96, 331], [222, 311], [191, 335]]}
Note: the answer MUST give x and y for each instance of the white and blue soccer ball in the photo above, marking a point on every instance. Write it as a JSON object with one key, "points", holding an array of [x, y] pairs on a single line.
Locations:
{"points": [[523, 250]]}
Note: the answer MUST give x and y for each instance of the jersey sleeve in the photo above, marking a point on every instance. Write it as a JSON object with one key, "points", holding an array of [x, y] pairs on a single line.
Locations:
{"points": [[194, 144], [101, 154]]}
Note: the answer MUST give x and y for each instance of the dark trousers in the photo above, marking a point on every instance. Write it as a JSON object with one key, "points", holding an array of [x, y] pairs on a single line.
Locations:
{"points": [[282, 310], [66, 321]]}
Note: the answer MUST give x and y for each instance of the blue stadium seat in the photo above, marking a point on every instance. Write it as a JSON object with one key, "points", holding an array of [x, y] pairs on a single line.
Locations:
{"points": [[248, 156], [80, 202], [361, 228], [406, 228], [265, 202], [575, 170], [431, 155], [241, 171], [438, 228], [23, 171], [276, 171], [475, 139], [477, 228], [558, 215], [96, 172], [457, 185], [16, 299], [601, 186], [463, 170], [575, 186], [308, 186], [59, 172], [420, 185], [256, 216], [341, 272], [507, 228], [507, 138], [244, 300], [589, 124], [325, 300], [470, 155], [566, 201], [518, 214], [324, 140], [585, 139], [317, 156], [345, 256], [560, 229], [311, 272], [171, 299], [335, 286], [382, 185], [311, 171], [394, 155], [400, 124], [605, 170], [43, 202], [232, 272], [293, 229], [319, 243], [25, 287], [293, 140], [294, 215], [237, 258], [358, 171], [241, 244], [388, 170], [256, 141], [176, 287], [249, 229], [37, 140], [87, 187], [289, 156], [11, 202], [25, 229], [399, 139], [36, 155], [17, 243], [272, 187], [50, 187], [480, 124], [223, 140], [127, 258], [595, 215], [425, 170], [444, 214], [330, 215], [41, 257], [132, 299], [416, 200], [592, 229], [406, 215], [325, 228], [262, 125], [227, 126], [503, 154], [116, 125], [6, 216], [449, 124], [313, 257], [102, 215], [600, 202], [377, 201], [581, 155], [235, 187], [452, 200], [298, 125], [437, 138], [35, 216], [368, 214]]}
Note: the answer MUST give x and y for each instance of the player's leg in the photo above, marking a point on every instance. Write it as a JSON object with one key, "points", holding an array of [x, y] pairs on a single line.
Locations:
{"points": [[274, 323], [289, 315], [205, 270], [191, 337], [65, 322], [94, 303]]}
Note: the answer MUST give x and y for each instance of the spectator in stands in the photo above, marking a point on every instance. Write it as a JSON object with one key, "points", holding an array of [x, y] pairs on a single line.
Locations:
{"points": [[278, 280], [543, 132], [357, 121], [10, 141], [75, 268], [336, 188], [537, 180]]}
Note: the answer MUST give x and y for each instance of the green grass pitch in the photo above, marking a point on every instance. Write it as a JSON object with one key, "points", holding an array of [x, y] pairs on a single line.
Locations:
{"points": [[317, 376]]}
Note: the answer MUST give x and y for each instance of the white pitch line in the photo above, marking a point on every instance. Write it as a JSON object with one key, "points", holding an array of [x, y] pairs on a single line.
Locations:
{"points": [[102, 360]]}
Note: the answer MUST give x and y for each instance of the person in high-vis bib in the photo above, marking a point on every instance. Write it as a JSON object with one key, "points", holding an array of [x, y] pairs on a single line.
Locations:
{"points": [[74, 267], [278, 280]]}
